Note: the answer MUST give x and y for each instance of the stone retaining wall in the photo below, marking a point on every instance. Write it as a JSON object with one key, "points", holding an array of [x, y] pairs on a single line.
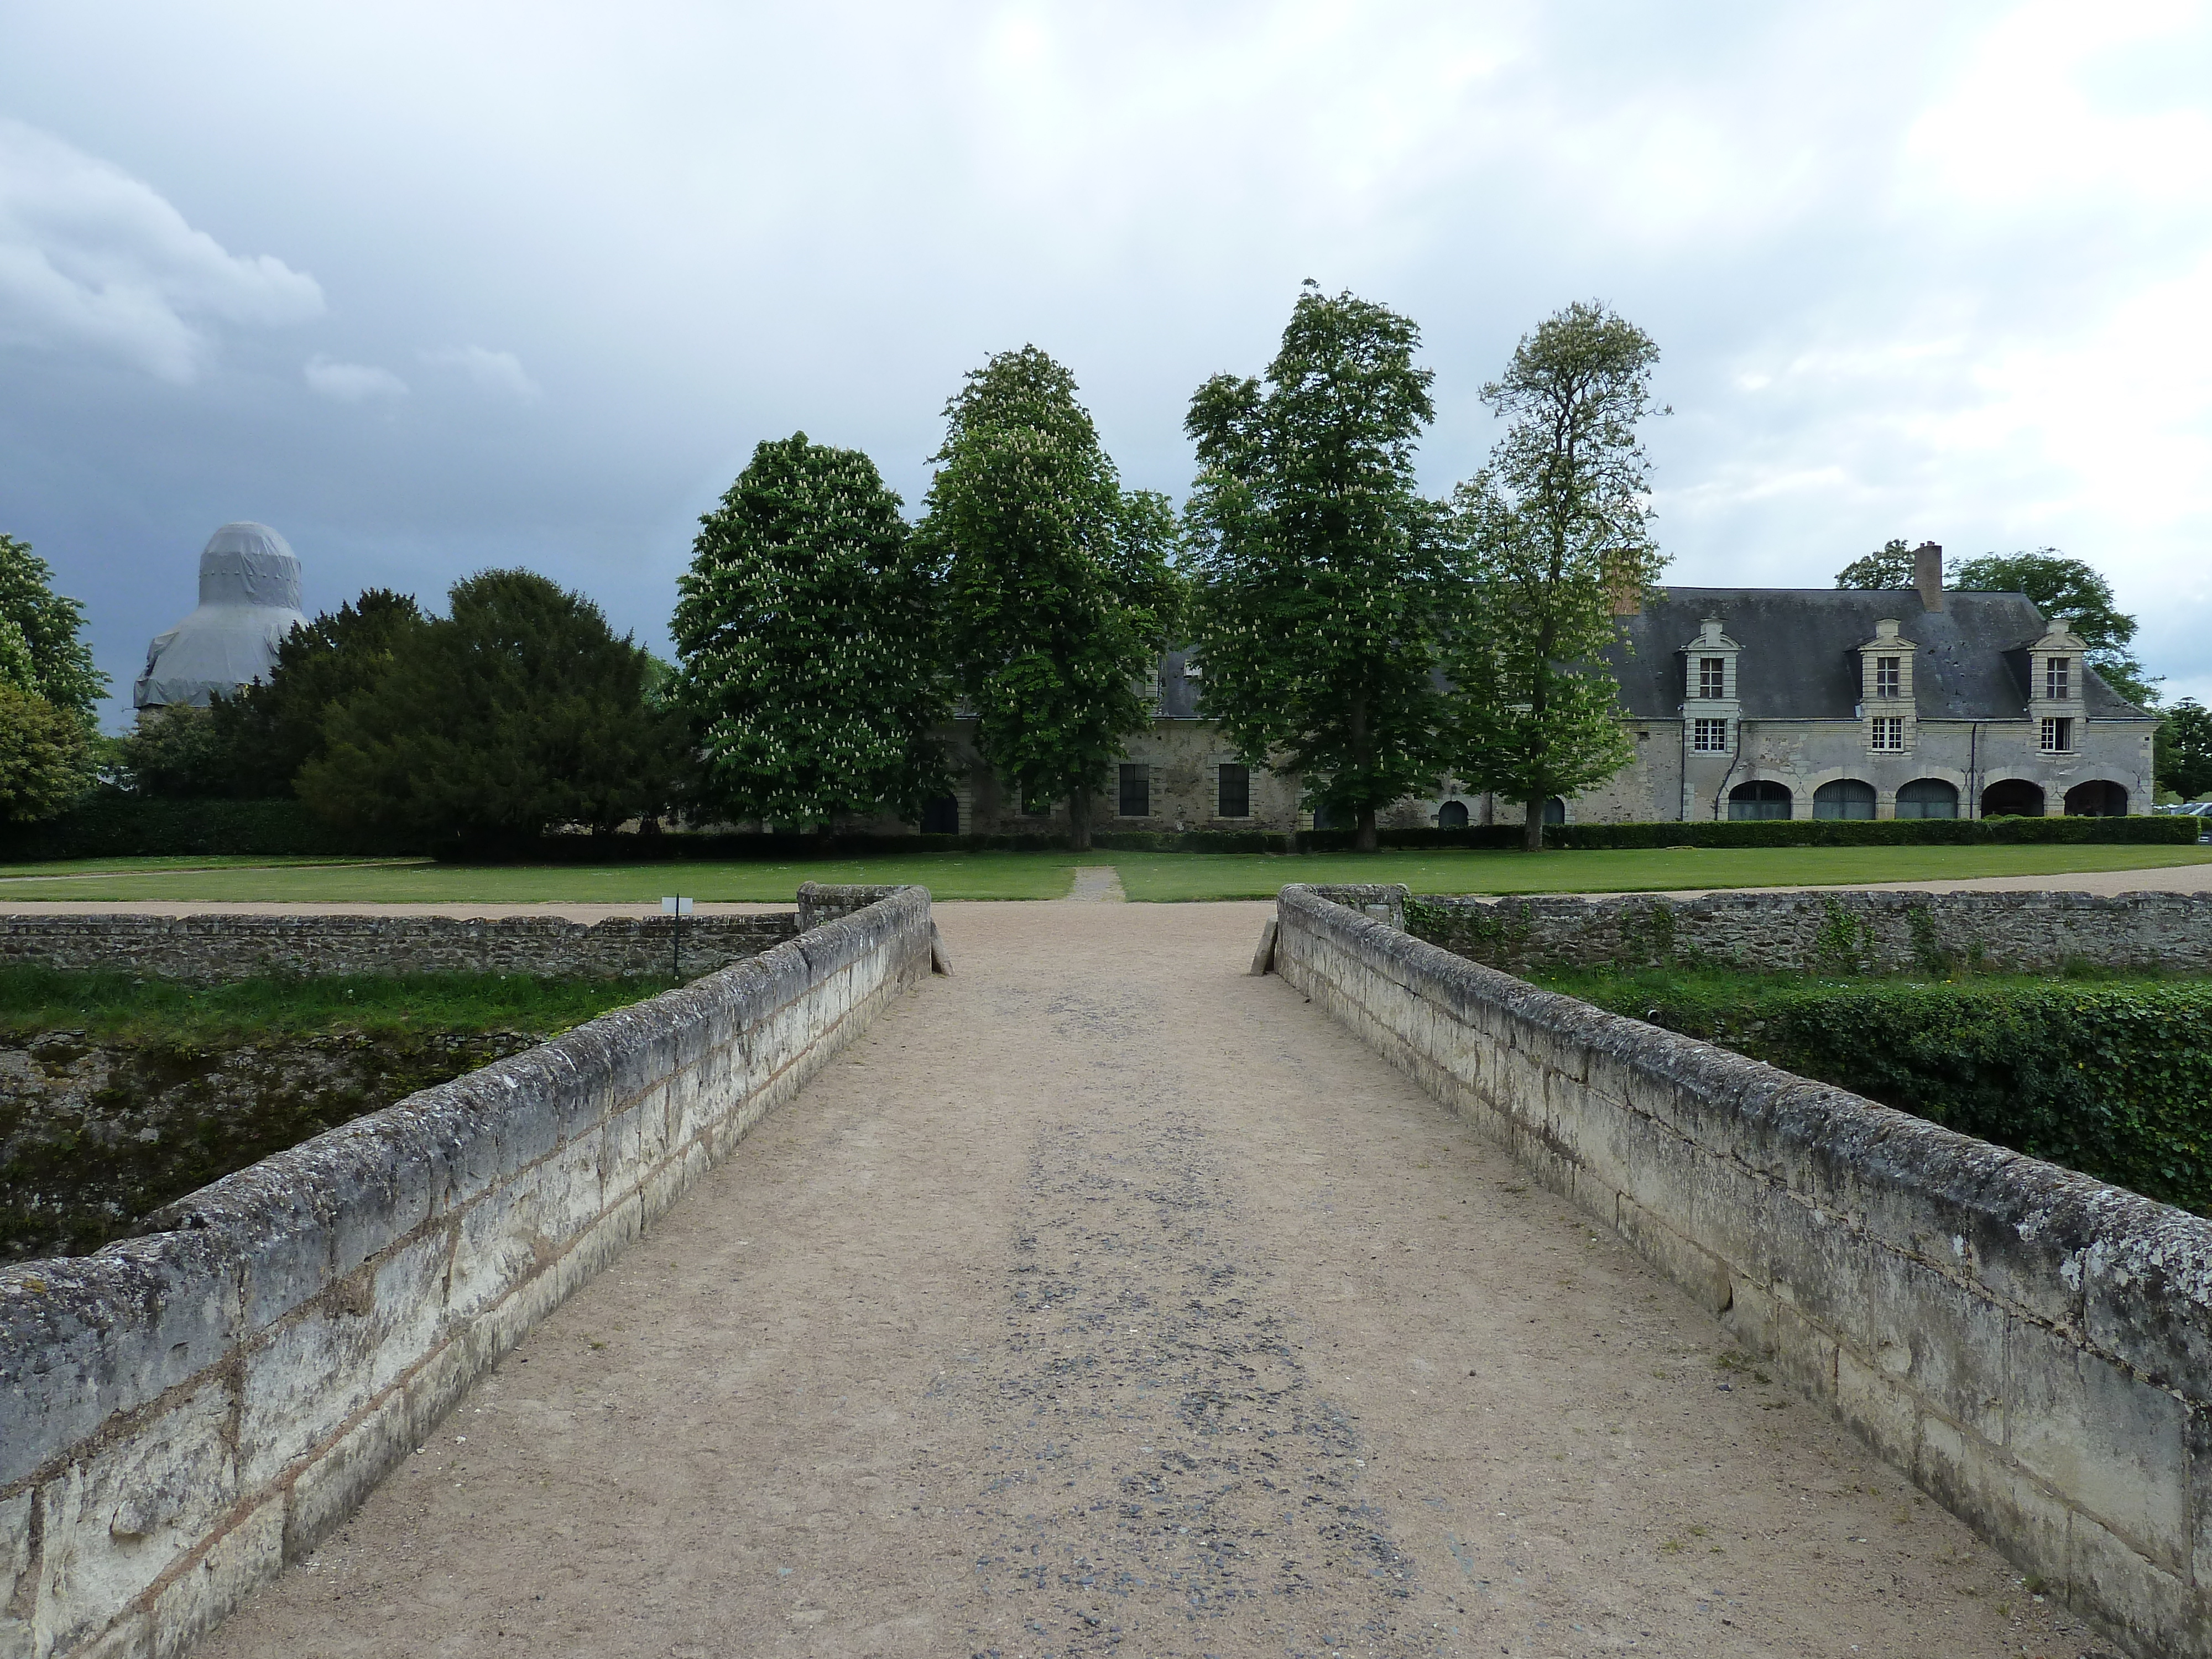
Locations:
{"points": [[219, 946], [1846, 932], [2032, 1347], [181, 1413]]}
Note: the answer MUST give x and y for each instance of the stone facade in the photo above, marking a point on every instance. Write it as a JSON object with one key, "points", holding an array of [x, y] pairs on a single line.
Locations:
{"points": [[2029, 1345], [1741, 702]]}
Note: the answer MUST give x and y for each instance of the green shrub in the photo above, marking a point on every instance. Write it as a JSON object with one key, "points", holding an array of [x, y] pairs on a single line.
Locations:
{"points": [[2111, 1078]]}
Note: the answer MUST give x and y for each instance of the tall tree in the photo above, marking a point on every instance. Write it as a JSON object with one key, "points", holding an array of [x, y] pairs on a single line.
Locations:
{"points": [[1551, 533], [1889, 567], [2183, 751], [1318, 562], [42, 648], [47, 756], [1059, 595], [2067, 588], [519, 711], [811, 671], [49, 690]]}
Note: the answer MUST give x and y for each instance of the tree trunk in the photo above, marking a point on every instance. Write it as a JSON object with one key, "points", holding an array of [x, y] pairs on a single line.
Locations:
{"points": [[1078, 819], [1532, 832], [1363, 832]]}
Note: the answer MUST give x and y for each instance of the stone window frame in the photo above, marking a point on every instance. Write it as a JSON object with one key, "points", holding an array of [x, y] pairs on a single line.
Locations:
{"points": [[1704, 727], [1233, 816], [2060, 727], [1122, 785], [2057, 679], [1712, 678], [1889, 678], [1886, 734]]}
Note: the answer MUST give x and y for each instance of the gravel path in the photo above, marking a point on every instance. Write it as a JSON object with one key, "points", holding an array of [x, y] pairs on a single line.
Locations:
{"points": [[1102, 1301]]}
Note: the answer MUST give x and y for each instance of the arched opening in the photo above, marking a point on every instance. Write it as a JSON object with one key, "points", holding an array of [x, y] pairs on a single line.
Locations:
{"points": [[1928, 797], [1555, 811], [1760, 799], [941, 816], [2012, 798], [2098, 799], [1452, 815], [1846, 798]]}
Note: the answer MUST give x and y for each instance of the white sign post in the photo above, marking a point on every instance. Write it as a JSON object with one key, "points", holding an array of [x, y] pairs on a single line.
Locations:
{"points": [[678, 908]]}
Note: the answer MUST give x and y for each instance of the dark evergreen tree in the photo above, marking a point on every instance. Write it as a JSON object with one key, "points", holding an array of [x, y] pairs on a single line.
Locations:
{"points": [[520, 712]]}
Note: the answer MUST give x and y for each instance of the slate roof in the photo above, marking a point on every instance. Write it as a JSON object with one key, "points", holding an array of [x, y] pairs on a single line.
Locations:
{"points": [[1800, 653]]}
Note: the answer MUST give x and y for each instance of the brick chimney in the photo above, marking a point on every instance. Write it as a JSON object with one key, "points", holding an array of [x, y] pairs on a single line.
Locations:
{"points": [[1927, 574], [1627, 594]]}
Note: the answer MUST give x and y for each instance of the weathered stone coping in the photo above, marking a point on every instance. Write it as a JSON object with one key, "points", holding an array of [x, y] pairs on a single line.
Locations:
{"points": [[1841, 931], [182, 1413], [2033, 1347]]}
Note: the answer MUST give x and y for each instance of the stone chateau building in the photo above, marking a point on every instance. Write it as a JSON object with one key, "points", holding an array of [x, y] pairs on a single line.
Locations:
{"points": [[1749, 702]]}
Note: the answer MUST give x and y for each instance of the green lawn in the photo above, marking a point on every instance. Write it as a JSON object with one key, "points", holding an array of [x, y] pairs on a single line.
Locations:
{"points": [[947, 875], [126, 1007], [1145, 876], [1173, 876]]}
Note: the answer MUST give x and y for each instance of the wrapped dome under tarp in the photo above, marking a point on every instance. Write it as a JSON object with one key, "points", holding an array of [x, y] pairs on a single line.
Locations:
{"points": [[249, 601]]}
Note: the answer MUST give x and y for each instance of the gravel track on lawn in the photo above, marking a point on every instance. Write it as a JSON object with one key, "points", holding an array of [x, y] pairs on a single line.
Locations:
{"points": [[1101, 1300]]}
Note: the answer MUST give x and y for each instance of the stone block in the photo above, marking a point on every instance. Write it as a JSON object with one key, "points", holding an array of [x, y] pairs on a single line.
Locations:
{"points": [[250, 1552]]}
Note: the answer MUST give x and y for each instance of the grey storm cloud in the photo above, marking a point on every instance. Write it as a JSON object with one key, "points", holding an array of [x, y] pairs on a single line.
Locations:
{"points": [[430, 288]]}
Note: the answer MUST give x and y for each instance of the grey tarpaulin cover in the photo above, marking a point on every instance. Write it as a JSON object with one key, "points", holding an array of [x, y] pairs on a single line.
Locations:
{"points": [[249, 601]]}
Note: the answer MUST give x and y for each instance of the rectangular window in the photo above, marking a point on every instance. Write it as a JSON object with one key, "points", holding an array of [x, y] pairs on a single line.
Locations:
{"points": [[1136, 791], [1712, 677], [1887, 680], [2057, 676], [1888, 736], [1709, 737], [1234, 793], [2057, 735]]}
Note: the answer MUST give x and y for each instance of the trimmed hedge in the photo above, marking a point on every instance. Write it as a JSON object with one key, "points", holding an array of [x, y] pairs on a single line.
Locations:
{"points": [[114, 823], [2115, 1081]]}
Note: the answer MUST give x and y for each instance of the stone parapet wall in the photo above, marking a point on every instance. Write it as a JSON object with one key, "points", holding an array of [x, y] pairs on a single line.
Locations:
{"points": [[2032, 1347], [1843, 931], [225, 946], [182, 1412]]}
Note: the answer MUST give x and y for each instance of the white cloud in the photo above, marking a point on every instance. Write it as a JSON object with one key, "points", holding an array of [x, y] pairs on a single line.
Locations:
{"points": [[94, 260], [492, 371], [352, 383]]}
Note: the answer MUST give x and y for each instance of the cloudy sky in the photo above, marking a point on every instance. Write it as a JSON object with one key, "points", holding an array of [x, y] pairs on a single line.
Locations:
{"points": [[431, 288]]}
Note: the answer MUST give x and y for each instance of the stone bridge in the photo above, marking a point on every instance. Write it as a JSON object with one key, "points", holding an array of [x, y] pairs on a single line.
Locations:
{"points": [[1103, 1298]]}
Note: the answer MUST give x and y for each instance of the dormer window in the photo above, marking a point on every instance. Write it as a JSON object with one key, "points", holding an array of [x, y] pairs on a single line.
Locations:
{"points": [[1888, 677], [1712, 677], [2057, 678]]}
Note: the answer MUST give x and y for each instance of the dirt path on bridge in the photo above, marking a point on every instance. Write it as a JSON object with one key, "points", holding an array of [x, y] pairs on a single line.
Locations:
{"points": [[1102, 1301]]}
